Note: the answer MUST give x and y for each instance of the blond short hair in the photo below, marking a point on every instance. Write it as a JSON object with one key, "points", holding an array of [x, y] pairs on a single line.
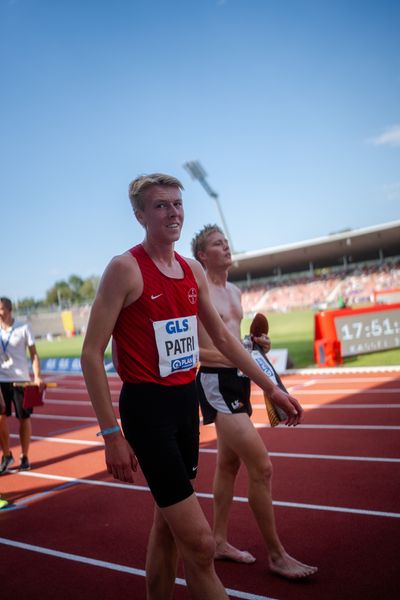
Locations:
{"points": [[199, 241], [138, 186]]}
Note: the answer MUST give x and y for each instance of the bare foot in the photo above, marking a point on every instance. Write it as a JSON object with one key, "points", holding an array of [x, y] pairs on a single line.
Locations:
{"points": [[225, 551], [289, 567]]}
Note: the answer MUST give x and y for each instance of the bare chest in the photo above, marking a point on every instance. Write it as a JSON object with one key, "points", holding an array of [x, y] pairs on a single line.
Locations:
{"points": [[228, 305]]}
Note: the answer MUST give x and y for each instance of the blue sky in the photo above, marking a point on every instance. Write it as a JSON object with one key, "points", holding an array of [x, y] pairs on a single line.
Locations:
{"points": [[292, 107]]}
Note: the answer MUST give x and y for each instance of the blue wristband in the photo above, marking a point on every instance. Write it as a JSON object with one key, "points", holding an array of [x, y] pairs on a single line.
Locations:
{"points": [[109, 431]]}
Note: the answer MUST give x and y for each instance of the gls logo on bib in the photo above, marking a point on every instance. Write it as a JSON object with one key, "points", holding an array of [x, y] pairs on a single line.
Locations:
{"points": [[177, 344]]}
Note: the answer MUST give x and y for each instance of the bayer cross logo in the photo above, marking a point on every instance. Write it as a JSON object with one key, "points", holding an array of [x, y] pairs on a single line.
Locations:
{"points": [[192, 295]]}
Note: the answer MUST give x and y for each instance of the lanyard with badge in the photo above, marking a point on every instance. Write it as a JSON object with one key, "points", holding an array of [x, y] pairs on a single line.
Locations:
{"points": [[6, 360]]}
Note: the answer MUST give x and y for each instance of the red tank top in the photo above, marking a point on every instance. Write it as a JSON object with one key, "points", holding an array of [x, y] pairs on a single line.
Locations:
{"points": [[156, 336]]}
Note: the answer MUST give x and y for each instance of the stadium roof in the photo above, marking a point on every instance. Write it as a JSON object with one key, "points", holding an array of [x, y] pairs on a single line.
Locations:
{"points": [[336, 249]]}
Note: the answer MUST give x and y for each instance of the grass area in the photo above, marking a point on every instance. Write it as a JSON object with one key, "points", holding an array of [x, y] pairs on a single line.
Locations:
{"points": [[294, 331], [62, 347]]}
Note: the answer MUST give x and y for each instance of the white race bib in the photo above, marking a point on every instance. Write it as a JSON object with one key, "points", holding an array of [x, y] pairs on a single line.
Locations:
{"points": [[177, 344]]}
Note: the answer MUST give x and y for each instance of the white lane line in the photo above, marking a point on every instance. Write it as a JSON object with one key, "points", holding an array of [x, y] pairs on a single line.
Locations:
{"points": [[113, 566], [339, 391], [350, 391], [59, 440], [86, 403], [301, 384], [348, 427], [78, 442], [342, 370], [339, 406], [338, 379], [73, 403], [63, 418], [64, 390], [242, 499], [258, 425], [95, 482], [79, 388], [334, 457], [341, 509], [319, 456]]}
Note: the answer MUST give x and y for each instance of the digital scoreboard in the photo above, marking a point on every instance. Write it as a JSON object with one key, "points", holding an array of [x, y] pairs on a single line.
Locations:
{"points": [[361, 330], [368, 332]]}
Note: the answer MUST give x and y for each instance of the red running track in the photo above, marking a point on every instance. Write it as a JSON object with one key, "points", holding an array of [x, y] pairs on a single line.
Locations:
{"points": [[72, 532]]}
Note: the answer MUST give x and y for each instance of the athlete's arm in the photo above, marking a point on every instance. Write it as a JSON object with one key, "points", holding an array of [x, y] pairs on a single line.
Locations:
{"points": [[209, 355], [120, 280], [37, 375], [228, 345]]}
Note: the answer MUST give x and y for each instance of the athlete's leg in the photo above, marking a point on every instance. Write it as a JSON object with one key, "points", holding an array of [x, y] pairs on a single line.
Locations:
{"points": [[161, 560], [239, 433], [25, 432], [228, 464], [196, 546], [4, 435]]}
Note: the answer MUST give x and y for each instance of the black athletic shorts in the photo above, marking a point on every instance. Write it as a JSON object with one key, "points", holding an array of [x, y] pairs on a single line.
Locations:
{"points": [[222, 389], [161, 423], [14, 395]]}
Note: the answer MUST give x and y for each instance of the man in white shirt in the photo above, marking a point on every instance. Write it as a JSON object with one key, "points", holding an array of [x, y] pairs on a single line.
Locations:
{"points": [[15, 338]]}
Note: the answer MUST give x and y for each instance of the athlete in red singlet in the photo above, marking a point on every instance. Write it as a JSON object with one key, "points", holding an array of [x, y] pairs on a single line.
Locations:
{"points": [[157, 351], [163, 298]]}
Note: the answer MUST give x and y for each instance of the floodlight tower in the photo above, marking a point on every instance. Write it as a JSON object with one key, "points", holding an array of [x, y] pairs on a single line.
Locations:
{"points": [[196, 171]]}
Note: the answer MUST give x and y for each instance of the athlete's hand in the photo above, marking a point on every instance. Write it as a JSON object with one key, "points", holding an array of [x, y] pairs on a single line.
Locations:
{"points": [[40, 383], [120, 459], [262, 340], [290, 405]]}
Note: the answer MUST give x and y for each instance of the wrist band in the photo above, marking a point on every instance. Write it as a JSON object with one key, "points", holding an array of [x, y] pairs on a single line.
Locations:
{"points": [[108, 431]]}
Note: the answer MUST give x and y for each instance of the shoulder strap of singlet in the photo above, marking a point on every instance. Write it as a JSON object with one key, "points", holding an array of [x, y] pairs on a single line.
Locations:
{"points": [[140, 253], [137, 250]]}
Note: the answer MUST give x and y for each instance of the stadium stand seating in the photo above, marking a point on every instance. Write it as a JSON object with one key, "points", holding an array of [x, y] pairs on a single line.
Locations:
{"points": [[324, 290]]}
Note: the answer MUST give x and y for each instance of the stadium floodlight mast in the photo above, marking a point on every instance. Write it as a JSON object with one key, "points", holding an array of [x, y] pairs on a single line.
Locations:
{"points": [[196, 171]]}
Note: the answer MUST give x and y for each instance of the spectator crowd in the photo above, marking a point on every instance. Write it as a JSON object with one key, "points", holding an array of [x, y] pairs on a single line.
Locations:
{"points": [[320, 291]]}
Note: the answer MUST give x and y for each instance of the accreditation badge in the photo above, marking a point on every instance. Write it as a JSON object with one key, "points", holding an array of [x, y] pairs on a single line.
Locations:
{"points": [[264, 365], [177, 344], [6, 361]]}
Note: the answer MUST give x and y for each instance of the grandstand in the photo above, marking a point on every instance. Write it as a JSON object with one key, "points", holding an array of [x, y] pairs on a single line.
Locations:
{"points": [[347, 267]]}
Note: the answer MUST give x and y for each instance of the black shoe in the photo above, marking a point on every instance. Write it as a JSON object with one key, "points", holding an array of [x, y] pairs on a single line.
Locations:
{"points": [[7, 461], [24, 464]]}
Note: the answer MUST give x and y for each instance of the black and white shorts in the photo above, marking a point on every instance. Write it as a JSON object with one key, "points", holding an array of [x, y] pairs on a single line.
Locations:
{"points": [[161, 423], [222, 390]]}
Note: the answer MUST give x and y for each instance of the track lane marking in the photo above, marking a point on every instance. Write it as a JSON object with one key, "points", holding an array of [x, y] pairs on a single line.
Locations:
{"points": [[79, 442], [209, 496], [74, 403], [258, 425], [319, 456], [338, 391], [347, 427], [113, 566], [339, 406]]}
